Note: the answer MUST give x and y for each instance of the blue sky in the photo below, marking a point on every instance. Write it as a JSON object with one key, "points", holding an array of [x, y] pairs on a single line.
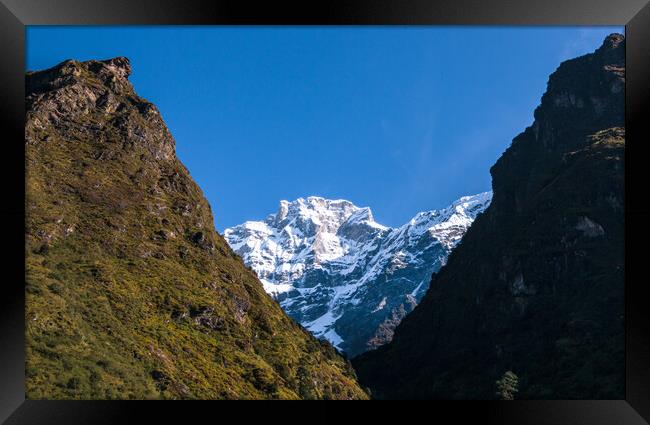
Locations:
{"points": [[400, 119]]}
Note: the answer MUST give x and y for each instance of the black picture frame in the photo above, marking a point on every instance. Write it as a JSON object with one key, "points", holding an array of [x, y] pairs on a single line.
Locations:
{"points": [[634, 14]]}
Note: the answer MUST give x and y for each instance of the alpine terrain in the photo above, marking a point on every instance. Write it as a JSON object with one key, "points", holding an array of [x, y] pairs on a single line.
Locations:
{"points": [[130, 291], [341, 274], [530, 305]]}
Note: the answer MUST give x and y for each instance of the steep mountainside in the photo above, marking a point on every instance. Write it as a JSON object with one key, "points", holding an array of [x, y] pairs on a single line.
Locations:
{"points": [[131, 293], [341, 274], [537, 286]]}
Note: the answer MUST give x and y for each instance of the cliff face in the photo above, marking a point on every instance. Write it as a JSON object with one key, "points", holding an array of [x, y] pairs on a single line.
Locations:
{"points": [[537, 285], [131, 293]]}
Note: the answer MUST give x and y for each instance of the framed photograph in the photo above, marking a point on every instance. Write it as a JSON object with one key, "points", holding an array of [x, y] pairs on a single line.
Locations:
{"points": [[357, 201]]}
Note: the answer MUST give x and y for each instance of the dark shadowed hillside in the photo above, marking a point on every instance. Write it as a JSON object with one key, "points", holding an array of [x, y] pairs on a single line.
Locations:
{"points": [[131, 293], [536, 286]]}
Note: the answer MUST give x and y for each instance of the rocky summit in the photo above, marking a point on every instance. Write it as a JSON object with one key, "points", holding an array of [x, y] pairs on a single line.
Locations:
{"points": [[130, 291], [530, 305], [341, 274]]}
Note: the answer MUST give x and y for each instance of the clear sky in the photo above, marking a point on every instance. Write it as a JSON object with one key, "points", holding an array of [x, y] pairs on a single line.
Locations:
{"points": [[400, 119]]}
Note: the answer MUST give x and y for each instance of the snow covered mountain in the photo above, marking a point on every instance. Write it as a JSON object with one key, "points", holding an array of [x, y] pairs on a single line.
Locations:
{"points": [[341, 274]]}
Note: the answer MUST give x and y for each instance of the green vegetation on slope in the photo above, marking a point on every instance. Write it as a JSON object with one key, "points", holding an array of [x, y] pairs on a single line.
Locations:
{"points": [[130, 291]]}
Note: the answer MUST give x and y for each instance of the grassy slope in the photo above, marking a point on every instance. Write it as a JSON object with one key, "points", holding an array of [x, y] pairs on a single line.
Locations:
{"points": [[131, 293]]}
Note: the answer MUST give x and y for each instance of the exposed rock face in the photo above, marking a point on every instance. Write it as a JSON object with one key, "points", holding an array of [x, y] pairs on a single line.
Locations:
{"points": [[341, 274], [537, 286], [131, 293]]}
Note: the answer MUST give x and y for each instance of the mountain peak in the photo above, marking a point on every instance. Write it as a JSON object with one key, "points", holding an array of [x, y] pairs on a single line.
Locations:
{"points": [[320, 202], [94, 74], [120, 65], [461, 213], [283, 210], [613, 40], [341, 274], [66, 94], [313, 214], [362, 214]]}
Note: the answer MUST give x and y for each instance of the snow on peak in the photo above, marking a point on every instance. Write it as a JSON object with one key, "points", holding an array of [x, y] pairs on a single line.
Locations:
{"points": [[314, 215], [320, 256]]}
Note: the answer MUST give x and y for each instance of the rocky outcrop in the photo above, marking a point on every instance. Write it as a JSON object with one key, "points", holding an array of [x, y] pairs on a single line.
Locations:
{"points": [[536, 288], [131, 293]]}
